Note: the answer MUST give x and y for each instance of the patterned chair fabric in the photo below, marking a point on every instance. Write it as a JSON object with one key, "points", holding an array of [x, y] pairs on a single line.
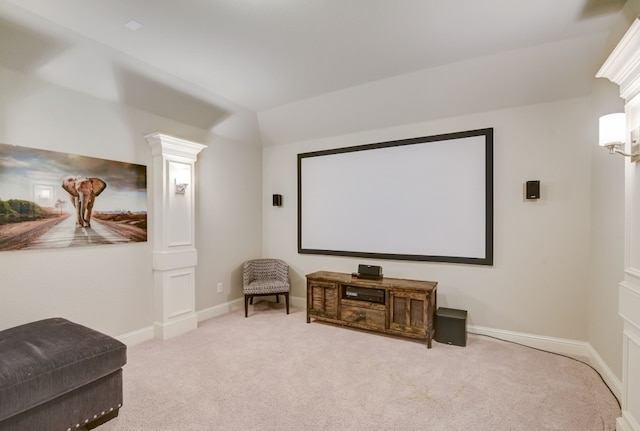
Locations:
{"points": [[262, 277]]}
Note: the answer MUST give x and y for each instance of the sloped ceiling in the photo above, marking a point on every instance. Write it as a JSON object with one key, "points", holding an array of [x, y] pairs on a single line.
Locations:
{"points": [[262, 54]]}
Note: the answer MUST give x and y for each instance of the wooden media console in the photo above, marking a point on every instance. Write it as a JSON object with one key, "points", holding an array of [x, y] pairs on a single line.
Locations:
{"points": [[391, 306]]}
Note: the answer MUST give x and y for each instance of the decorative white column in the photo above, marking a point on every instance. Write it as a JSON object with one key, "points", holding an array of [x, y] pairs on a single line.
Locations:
{"points": [[623, 68], [174, 254]]}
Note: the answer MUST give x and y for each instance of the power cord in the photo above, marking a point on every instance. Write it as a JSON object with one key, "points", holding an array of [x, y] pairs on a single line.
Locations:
{"points": [[557, 354]]}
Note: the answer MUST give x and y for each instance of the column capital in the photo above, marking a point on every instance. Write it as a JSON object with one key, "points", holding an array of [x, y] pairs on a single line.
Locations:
{"points": [[166, 145]]}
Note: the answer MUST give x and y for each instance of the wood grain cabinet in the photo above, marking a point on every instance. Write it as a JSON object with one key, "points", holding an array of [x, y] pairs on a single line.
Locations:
{"points": [[409, 311], [390, 305], [322, 299]]}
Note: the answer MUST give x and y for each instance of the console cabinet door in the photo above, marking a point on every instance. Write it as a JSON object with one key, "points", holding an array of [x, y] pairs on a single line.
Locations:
{"points": [[322, 299], [408, 312]]}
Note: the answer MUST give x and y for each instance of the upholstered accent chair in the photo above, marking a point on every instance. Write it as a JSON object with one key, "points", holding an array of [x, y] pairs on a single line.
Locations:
{"points": [[265, 277]]}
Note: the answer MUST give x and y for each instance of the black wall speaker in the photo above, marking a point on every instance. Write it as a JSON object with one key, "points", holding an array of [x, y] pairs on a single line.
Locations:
{"points": [[277, 200], [533, 189]]}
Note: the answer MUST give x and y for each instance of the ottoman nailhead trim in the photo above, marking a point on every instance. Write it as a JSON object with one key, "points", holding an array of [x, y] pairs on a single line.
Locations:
{"points": [[86, 421]]}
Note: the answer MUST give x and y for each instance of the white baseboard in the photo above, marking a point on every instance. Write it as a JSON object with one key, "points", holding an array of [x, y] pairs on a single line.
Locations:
{"points": [[626, 423], [557, 345], [137, 337], [552, 344], [298, 301], [176, 326], [146, 334], [220, 309], [612, 381], [237, 304]]}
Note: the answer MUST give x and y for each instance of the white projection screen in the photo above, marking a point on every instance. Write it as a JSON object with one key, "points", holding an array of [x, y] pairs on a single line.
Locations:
{"points": [[422, 199]]}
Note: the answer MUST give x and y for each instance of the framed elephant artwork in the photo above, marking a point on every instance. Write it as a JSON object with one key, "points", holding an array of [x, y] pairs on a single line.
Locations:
{"points": [[56, 200]]}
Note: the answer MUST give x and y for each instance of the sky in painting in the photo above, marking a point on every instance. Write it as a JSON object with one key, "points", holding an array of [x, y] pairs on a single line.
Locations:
{"points": [[37, 176]]}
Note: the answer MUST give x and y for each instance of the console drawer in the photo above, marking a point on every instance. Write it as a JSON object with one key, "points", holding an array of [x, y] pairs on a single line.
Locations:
{"points": [[365, 317]]}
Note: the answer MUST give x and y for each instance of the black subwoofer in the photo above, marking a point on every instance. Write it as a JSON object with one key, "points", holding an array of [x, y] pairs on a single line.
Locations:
{"points": [[451, 326]]}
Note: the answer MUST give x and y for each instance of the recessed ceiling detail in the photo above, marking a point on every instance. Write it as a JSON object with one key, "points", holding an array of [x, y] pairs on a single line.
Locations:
{"points": [[133, 25]]}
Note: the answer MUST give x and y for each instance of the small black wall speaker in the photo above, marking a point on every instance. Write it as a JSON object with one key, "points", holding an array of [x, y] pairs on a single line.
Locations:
{"points": [[533, 189], [277, 200]]}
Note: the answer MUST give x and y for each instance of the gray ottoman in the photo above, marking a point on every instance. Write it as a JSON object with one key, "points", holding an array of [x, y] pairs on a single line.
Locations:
{"points": [[58, 375]]}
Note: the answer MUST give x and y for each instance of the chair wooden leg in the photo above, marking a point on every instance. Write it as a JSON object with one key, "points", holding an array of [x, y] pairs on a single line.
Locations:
{"points": [[251, 300], [286, 299], [277, 299], [246, 304]]}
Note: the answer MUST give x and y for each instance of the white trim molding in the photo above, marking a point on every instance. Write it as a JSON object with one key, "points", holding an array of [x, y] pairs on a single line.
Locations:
{"points": [[136, 337], [576, 349], [623, 68], [623, 65], [551, 344], [146, 334], [220, 309], [174, 254]]}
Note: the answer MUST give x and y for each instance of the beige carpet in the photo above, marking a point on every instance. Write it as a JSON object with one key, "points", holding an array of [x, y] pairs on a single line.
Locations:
{"points": [[271, 371]]}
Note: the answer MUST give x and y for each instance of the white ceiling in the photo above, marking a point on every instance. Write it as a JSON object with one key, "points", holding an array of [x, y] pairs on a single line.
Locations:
{"points": [[266, 53]]}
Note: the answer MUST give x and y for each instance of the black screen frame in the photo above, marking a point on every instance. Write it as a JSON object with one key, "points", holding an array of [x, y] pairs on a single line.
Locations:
{"points": [[487, 259]]}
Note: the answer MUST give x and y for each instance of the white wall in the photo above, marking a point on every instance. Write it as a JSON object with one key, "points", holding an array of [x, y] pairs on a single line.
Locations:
{"points": [[88, 285], [608, 216], [110, 288], [228, 218], [539, 282], [537, 74], [607, 236], [557, 260]]}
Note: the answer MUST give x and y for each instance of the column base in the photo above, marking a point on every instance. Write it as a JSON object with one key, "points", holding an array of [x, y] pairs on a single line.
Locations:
{"points": [[175, 327]]}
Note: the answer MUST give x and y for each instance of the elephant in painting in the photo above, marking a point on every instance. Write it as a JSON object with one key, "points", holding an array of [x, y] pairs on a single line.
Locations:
{"points": [[83, 192]]}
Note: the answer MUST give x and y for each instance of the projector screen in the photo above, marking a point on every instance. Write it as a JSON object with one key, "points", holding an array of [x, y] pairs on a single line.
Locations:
{"points": [[423, 199]]}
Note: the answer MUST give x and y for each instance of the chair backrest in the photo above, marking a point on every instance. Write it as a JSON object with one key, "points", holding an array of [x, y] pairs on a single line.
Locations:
{"points": [[263, 269]]}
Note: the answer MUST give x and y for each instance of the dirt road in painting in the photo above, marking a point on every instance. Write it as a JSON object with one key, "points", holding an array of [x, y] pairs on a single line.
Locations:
{"points": [[62, 232]]}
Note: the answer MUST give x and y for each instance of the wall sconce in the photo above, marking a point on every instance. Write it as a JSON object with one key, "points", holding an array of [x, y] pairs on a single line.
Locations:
{"points": [[613, 130], [182, 182], [181, 188]]}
